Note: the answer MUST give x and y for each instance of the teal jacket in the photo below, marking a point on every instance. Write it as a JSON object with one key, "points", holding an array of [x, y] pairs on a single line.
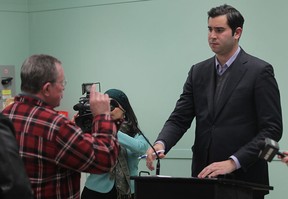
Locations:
{"points": [[135, 146]]}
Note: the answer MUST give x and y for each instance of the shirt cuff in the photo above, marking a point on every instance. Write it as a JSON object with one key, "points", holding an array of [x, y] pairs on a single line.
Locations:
{"points": [[238, 166], [160, 142]]}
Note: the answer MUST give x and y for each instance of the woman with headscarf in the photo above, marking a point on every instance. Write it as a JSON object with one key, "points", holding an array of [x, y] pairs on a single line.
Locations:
{"points": [[117, 183]]}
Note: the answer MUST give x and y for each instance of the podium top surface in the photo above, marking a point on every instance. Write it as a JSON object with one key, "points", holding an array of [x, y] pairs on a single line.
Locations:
{"points": [[221, 181]]}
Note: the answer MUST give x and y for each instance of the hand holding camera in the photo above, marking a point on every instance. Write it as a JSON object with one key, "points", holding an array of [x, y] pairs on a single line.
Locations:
{"points": [[99, 103], [94, 103], [85, 116]]}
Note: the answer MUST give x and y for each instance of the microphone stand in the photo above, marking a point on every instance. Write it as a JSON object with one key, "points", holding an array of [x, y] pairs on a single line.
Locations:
{"points": [[157, 156]]}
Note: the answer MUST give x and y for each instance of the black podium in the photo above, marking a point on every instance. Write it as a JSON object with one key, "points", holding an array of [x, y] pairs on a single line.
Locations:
{"points": [[194, 188]]}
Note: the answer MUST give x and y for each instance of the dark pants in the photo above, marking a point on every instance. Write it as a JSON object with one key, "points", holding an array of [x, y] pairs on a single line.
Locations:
{"points": [[90, 194]]}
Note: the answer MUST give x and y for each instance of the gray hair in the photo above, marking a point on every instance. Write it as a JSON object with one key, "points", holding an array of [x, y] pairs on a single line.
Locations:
{"points": [[37, 70]]}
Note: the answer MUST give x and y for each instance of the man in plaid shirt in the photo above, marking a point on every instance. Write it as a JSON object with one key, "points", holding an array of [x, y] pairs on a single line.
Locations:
{"points": [[54, 150]]}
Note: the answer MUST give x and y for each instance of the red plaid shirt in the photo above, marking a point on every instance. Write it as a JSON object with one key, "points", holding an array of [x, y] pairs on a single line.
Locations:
{"points": [[55, 151]]}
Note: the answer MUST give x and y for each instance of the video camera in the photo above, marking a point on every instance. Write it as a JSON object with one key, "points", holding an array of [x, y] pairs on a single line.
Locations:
{"points": [[85, 117]]}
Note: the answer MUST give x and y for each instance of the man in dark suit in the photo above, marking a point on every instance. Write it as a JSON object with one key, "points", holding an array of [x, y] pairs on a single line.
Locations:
{"points": [[235, 100]]}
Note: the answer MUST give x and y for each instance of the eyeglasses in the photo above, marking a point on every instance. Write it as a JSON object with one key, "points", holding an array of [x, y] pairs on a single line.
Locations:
{"points": [[114, 104], [63, 83]]}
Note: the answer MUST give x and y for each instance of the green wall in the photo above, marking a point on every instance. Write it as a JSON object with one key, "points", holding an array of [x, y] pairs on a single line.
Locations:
{"points": [[14, 33], [145, 48]]}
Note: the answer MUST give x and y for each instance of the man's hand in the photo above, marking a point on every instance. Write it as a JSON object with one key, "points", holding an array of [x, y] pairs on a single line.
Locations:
{"points": [[99, 103], [151, 155], [218, 168], [284, 159]]}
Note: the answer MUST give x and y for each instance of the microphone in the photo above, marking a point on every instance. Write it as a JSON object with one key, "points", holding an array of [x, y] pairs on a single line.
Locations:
{"points": [[269, 148], [155, 152]]}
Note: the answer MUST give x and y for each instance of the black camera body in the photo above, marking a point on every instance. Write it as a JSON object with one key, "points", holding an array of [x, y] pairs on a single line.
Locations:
{"points": [[85, 118]]}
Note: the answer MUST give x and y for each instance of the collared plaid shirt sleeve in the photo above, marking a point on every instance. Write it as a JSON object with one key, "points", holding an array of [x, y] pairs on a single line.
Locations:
{"points": [[94, 152]]}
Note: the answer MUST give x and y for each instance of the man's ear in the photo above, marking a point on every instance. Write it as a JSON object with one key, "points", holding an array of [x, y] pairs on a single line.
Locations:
{"points": [[237, 33], [46, 88]]}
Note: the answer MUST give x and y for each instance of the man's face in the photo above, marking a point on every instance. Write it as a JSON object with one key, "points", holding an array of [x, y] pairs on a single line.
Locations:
{"points": [[220, 38], [57, 88]]}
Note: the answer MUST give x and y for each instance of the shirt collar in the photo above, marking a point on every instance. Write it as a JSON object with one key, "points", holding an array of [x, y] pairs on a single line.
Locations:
{"points": [[231, 60]]}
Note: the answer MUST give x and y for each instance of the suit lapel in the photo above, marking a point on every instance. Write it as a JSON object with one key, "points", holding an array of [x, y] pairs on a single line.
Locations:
{"points": [[211, 88]]}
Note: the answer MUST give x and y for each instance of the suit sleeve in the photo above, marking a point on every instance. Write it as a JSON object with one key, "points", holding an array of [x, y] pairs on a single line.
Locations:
{"points": [[268, 112]]}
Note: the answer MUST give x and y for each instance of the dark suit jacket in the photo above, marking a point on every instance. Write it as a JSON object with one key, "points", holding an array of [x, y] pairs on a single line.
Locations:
{"points": [[248, 111]]}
